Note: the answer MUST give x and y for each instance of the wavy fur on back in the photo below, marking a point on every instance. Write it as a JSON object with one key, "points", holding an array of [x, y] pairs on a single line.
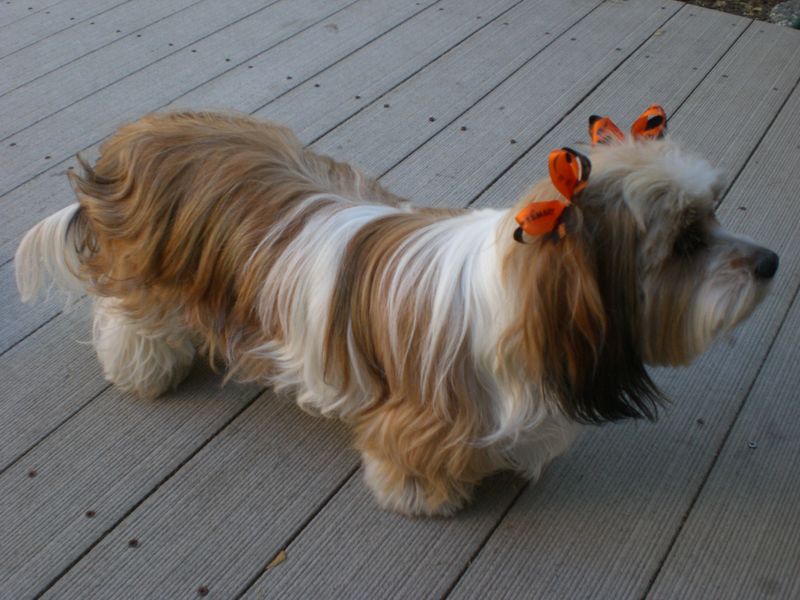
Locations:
{"points": [[453, 350]]}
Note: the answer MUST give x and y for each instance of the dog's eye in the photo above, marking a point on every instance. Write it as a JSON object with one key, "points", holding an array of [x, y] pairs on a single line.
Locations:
{"points": [[690, 241]]}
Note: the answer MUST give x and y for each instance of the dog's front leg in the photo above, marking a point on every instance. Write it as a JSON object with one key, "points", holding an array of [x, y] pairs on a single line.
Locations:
{"points": [[417, 462]]}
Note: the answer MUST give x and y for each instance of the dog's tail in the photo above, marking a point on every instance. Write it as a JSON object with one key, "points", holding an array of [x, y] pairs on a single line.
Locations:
{"points": [[50, 250]]}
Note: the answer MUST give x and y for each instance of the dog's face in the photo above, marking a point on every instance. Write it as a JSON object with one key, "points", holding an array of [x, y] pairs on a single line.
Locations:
{"points": [[694, 280]]}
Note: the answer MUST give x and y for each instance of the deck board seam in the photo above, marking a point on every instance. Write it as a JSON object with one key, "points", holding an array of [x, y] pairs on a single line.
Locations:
{"points": [[30, 333], [52, 33], [547, 132], [152, 491], [719, 449], [499, 83], [53, 429], [301, 527], [395, 86], [750, 387], [757, 145], [85, 54], [41, 10], [166, 56]]}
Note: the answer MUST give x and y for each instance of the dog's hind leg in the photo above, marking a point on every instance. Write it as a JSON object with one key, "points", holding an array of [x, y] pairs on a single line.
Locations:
{"points": [[138, 355]]}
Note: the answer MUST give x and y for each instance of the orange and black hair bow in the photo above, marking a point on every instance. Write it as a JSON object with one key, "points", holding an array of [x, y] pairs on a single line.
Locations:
{"points": [[569, 172], [651, 125]]}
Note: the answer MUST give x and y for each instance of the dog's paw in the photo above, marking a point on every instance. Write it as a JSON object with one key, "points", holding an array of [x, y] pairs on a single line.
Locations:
{"points": [[406, 494]]}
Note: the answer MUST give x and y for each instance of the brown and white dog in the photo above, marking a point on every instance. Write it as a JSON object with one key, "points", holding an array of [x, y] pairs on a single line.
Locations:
{"points": [[452, 349]]}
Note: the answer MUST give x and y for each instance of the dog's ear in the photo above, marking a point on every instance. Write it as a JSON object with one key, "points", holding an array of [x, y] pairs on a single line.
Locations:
{"points": [[576, 327]]}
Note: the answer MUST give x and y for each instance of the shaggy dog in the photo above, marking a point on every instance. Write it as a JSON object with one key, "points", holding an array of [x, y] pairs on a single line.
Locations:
{"points": [[451, 349]]}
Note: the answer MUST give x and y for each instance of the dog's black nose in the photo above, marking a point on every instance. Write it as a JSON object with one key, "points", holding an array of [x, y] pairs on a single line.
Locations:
{"points": [[766, 264]]}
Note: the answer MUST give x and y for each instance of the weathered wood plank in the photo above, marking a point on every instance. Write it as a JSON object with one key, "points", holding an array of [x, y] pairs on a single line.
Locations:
{"points": [[369, 72], [18, 320], [222, 517], [453, 82], [22, 26], [747, 88], [63, 47], [495, 138], [607, 513], [205, 27], [741, 538], [46, 378], [87, 121], [462, 77], [105, 459]]}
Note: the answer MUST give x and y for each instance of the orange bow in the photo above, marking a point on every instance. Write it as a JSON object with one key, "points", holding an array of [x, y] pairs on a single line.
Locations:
{"points": [[651, 125], [569, 172]]}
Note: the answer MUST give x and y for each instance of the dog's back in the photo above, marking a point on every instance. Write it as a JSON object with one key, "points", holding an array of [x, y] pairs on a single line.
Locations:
{"points": [[174, 211]]}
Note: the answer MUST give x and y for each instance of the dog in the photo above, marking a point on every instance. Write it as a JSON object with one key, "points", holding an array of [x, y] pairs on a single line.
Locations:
{"points": [[455, 343]]}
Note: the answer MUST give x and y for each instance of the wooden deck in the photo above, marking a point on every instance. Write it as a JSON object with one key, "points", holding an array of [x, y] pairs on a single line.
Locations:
{"points": [[214, 483]]}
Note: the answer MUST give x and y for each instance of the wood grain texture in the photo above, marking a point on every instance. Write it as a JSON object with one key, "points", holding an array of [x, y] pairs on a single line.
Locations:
{"points": [[322, 101], [607, 513], [452, 84], [105, 459], [223, 516], [170, 40], [46, 378], [18, 320], [24, 23], [63, 47], [353, 549], [87, 121], [742, 537], [318, 48], [723, 118], [496, 138]]}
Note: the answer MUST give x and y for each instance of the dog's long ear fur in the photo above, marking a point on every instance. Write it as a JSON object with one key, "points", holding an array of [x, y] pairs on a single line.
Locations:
{"points": [[576, 326]]}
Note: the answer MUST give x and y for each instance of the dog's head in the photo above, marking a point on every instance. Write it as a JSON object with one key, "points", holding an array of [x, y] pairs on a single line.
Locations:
{"points": [[638, 271]]}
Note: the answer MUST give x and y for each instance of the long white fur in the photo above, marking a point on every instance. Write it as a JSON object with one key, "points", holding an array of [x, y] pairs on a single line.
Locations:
{"points": [[43, 254]]}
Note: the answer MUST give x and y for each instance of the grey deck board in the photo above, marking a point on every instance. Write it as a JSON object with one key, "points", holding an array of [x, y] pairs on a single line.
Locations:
{"points": [[88, 120], [18, 319], [67, 375], [212, 493], [327, 98], [107, 458], [20, 26], [209, 28], [607, 511], [451, 83], [220, 520], [317, 550], [45, 56], [354, 550], [462, 77], [496, 138], [723, 119], [742, 537]]}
